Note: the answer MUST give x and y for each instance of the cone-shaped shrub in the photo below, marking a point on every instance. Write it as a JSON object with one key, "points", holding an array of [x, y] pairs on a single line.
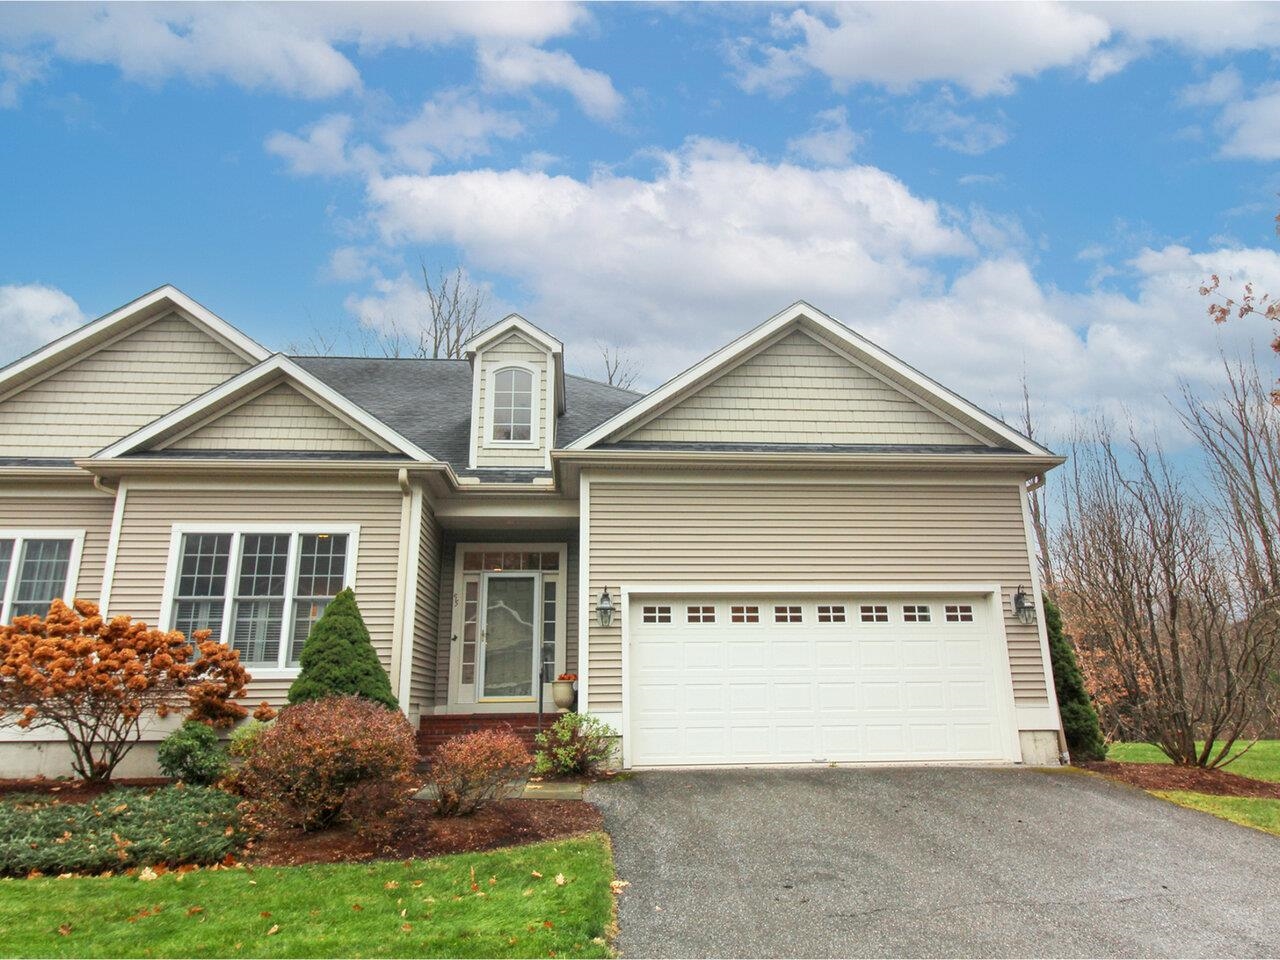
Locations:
{"points": [[1079, 718], [338, 658]]}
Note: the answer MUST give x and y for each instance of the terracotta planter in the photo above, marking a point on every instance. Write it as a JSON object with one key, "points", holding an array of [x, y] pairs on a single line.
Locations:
{"points": [[562, 694]]}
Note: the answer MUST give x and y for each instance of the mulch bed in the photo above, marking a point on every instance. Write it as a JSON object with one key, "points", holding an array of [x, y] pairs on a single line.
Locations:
{"points": [[75, 791], [1167, 776], [422, 834]]}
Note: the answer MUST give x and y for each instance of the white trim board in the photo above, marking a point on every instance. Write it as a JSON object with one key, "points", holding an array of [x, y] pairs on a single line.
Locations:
{"points": [[701, 372], [114, 323], [265, 375]]}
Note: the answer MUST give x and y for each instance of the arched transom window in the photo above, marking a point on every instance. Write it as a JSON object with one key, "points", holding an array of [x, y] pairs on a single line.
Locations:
{"points": [[513, 404]]}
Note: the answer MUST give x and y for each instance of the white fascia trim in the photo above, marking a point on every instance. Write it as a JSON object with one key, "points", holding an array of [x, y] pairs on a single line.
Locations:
{"points": [[508, 323], [837, 332], [104, 325], [277, 364]]}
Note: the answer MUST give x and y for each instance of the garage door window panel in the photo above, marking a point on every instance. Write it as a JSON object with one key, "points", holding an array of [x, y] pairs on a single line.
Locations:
{"points": [[787, 614]]}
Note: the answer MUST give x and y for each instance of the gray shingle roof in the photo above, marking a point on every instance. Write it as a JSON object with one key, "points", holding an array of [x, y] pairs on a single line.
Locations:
{"points": [[429, 401]]}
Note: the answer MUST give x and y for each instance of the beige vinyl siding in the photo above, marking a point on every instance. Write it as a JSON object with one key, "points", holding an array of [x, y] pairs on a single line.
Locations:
{"points": [[280, 418], [142, 557], [69, 507], [799, 391], [426, 620], [448, 552], [512, 348], [114, 390], [896, 531]]}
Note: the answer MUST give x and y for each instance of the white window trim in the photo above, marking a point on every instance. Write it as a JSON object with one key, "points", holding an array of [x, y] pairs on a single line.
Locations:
{"points": [[18, 535], [294, 531], [535, 396]]}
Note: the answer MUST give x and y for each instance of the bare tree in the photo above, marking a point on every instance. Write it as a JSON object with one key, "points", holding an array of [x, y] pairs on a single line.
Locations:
{"points": [[1153, 591], [620, 370], [455, 312]]}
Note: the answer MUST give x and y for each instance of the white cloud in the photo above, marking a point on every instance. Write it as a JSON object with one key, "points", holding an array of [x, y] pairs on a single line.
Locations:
{"points": [[451, 125], [18, 70], [1222, 87], [523, 67], [324, 149], [831, 141], [961, 132], [983, 48], [33, 314], [1252, 125], [716, 239], [291, 48]]}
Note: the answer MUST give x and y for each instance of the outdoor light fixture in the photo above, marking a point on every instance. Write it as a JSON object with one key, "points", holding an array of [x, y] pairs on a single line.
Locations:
{"points": [[604, 608], [1024, 607]]}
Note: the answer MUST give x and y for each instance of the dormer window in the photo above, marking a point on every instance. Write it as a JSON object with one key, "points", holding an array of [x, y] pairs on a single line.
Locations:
{"points": [[513, 405]]}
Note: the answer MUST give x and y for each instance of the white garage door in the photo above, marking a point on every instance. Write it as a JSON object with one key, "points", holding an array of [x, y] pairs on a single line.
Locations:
{"points": [[731, 680]]}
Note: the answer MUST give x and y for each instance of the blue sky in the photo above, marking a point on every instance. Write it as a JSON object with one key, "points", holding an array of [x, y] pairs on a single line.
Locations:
{"points": [[985, 190]]}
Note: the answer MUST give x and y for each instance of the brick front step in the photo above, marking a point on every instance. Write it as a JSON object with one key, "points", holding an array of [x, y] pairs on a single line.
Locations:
{"points": [[435, 729]]}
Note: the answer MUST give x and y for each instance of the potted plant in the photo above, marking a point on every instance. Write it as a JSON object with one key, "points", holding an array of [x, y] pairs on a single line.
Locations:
{"points": [[562, 691]]}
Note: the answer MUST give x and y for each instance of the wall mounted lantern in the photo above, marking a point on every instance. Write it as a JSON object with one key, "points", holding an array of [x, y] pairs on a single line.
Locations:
{"points": [[604, 608], [1024, 607]]}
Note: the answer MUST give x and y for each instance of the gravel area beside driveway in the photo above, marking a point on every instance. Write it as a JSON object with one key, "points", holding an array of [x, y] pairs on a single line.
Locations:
{"points": [[930, 862]]}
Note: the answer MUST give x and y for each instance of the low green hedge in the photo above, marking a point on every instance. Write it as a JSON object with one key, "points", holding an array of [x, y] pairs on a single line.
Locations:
{"points": [[119, 829]]}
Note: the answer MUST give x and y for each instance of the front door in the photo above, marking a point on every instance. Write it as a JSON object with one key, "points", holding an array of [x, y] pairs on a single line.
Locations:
{"points": [[507, 661]]}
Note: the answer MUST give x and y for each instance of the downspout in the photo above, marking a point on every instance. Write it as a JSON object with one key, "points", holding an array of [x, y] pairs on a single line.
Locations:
{"points": [[402, 565]]}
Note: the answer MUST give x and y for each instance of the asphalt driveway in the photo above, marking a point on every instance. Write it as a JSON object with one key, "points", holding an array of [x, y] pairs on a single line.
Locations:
{"points": [[927, 862]]}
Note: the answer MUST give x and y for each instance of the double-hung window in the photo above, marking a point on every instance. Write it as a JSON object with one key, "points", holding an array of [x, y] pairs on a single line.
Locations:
{"points": [[260, 591], [36, 568]]}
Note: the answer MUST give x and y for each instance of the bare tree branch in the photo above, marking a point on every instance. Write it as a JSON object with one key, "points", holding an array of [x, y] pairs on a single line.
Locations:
{"points": [[620, 369]]}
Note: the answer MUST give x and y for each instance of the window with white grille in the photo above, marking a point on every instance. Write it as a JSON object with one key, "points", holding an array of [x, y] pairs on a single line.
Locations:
{"points": [[656, 614], [701, 614], [916, 613], [35, 568], [787, 615], [959, 612], [744, 614], [873, 613], [831, 613]]}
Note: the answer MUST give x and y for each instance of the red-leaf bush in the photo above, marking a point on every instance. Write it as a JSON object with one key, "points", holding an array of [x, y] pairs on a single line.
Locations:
{"points": [[98, 681], [323, 759], [469, 771]]}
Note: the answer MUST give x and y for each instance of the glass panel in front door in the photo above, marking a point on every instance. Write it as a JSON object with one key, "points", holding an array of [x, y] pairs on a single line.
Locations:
{"points": [[510, 614]]}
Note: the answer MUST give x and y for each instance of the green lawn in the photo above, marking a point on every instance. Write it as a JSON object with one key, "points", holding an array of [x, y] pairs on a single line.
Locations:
{"points": [[422, 908], [1262, 762], [1247, 811]]}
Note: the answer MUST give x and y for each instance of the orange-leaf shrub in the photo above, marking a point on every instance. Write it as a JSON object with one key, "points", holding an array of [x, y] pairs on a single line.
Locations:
{"points": [[470, 770], [98, 680], [321, 759]]}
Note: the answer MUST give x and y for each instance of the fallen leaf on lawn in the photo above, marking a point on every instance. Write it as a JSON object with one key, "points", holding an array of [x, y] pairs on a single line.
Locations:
{"points": [[428, 899], [617, 886], [512, 941], [404, 913], [265, 913], [192, 911], [356, 906], [406, 927], [64, 930], [391, 885], [537, 874], [417, 884], [548, 924], [529, 892], [146, 873], [275, 928], [65, 876], [253, 883], [493, 881], [560, 880]]}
